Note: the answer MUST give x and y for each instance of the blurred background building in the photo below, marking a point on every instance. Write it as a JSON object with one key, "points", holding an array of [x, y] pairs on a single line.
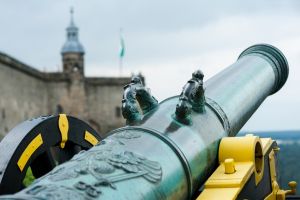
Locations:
{"points": [[27, 92]]}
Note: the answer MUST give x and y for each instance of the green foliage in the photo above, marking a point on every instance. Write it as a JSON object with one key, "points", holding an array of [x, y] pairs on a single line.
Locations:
{"points": [[29, 178]]}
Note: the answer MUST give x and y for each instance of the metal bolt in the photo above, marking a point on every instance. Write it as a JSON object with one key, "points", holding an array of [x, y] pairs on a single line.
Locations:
{"points": [[229, 166]]}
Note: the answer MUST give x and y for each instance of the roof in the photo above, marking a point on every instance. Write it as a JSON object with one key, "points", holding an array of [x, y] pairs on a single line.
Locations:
{"points": [[15, 64], [72, 45]]}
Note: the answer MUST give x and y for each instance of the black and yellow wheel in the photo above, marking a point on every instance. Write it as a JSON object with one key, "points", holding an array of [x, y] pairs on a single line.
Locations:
{"points": [[40, 144]]}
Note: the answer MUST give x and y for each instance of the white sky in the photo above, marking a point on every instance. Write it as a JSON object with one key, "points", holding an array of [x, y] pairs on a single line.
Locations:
{"points": [[165, 40]]}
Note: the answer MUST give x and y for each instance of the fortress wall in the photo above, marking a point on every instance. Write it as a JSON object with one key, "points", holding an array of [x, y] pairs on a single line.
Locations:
{"points": [[27, 93], [96, 101], [69, 96], [58, 95], [104, 106], [23, 95]]}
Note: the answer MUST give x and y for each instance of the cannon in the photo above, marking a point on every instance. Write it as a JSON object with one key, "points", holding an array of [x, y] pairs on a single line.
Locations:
{"points": [[183, 147]]}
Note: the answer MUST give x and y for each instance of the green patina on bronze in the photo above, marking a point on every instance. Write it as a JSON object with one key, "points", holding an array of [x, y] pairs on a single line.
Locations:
{"points": [[137, 101], [168, 150]]}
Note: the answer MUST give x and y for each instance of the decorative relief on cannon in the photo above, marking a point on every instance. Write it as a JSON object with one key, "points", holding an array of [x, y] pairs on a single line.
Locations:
{"points": [[127, 135], [107, 163], [55, 192], [137, 97], [191, 98]]}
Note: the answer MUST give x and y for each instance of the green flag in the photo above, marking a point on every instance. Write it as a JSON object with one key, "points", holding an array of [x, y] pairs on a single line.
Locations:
{"points": [[122, 47]]}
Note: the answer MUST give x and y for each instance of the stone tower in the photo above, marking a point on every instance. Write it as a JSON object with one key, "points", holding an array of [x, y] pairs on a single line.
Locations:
{"points": [[73, 67], [72, 51], [28, 92]]}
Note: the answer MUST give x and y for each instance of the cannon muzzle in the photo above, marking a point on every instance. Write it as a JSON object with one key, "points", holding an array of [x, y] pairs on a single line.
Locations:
{"points": [[168, 151]]}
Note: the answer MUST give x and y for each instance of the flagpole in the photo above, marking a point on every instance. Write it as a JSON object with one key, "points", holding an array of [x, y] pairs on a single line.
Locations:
{"points": [[121, 53], [120, 65]]}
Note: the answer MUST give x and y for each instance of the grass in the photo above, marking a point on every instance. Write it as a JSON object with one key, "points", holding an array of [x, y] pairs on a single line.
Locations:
{"points": [[29, 178]]}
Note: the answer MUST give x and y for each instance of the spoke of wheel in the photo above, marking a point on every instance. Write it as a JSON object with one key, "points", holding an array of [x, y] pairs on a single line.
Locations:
{"points": [[43, 164]]}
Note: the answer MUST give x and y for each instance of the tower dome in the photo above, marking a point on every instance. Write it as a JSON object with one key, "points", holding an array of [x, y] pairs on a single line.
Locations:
{"points": [[72, 45]]}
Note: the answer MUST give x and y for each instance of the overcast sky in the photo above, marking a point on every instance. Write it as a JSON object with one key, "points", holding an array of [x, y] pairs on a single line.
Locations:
{"points": [[165, 40]]}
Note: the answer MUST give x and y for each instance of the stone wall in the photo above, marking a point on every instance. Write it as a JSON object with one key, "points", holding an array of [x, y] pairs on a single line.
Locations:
{"points": [[95, 100], [23, 96], [104, 98], [27, 93]]}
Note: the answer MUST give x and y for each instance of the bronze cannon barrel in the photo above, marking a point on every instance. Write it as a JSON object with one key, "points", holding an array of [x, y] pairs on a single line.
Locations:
{"points": [[261, 70], [159, 155]]}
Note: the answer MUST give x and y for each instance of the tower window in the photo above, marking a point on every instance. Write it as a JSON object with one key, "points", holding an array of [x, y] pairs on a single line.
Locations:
{"points": [[59, 109], [3, 114], [75, 69], [118, 112]]}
